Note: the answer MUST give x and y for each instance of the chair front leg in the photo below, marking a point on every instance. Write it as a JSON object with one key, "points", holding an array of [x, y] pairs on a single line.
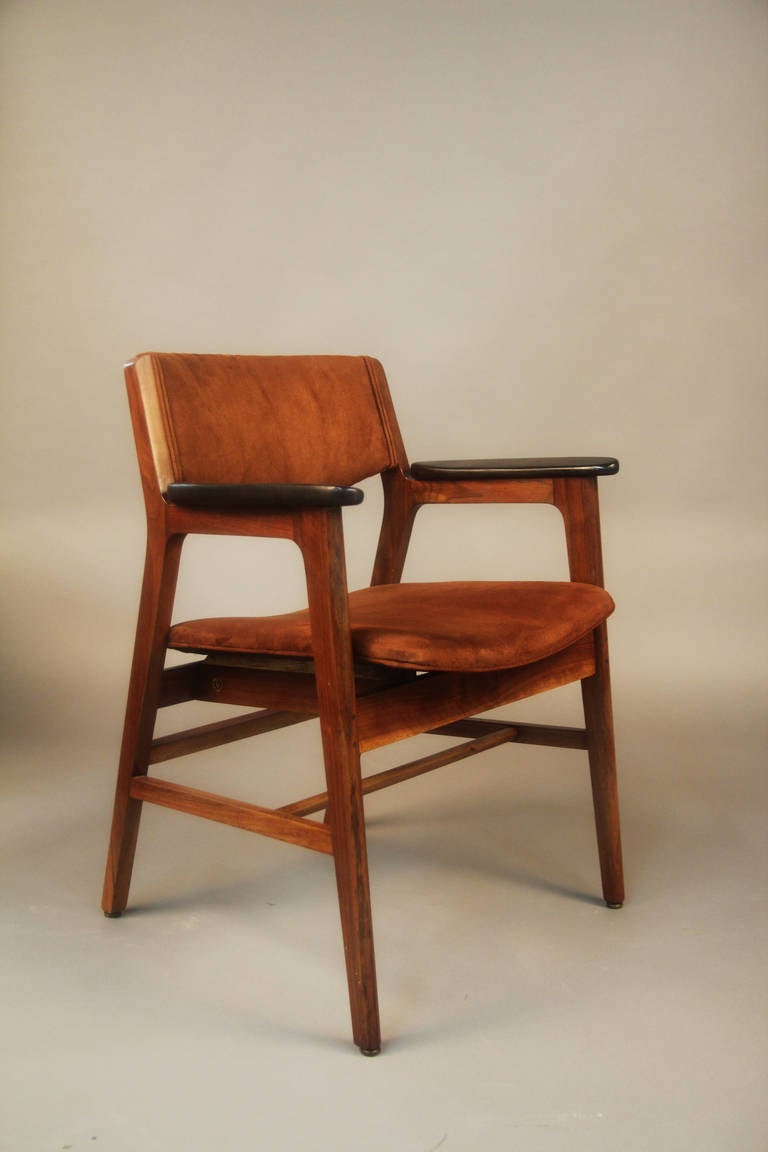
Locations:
{"points": [[160, 575], [598, 717], [578, 502], [320, 538]]}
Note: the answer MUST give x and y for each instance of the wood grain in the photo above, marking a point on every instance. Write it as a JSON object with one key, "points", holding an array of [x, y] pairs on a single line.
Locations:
{"points": [[238, 814], [413, 768], [441, 697], [206, 736]]}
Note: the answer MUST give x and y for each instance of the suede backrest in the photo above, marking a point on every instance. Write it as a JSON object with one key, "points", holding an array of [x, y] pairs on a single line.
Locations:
{"points": [[275, 419]]}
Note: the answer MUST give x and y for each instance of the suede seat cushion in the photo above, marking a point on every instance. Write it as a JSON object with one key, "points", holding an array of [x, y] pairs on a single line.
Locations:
{"points": [[466, 626]]}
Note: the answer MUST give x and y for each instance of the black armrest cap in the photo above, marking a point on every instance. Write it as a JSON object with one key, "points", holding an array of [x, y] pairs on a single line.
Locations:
{"points": [[261, 495], [522, 468]]}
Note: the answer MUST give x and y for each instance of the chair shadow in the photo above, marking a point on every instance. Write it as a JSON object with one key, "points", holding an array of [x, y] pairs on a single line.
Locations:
{"points": [[474, 840]]}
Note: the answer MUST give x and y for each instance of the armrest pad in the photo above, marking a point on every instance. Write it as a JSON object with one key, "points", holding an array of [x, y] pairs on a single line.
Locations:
{"points": [[524, 468], [261, 495]]}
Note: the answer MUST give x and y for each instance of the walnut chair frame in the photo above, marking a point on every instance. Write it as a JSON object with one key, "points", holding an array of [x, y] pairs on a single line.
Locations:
{"points": [[272, 447]]}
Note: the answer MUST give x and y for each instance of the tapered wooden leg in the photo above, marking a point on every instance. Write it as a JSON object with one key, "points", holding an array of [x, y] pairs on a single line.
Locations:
{"points": [[351, 863], [598, 715], [578, 503], [160, 574], [322, 545]]}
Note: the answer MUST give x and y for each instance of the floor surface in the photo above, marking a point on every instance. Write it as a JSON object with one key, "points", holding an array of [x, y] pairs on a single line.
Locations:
{"points": [[518, 1012]]}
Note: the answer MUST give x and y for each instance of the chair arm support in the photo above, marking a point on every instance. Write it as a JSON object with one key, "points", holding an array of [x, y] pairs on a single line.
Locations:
{"points": [[569, 483], [523, 468], [253, 496]]}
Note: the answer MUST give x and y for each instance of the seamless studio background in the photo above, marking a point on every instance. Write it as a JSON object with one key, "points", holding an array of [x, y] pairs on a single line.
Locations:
{"points": [[548, 220]]}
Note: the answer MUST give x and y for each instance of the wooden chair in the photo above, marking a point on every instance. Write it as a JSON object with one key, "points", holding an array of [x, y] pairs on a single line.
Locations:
{"points": [[273, 446]]}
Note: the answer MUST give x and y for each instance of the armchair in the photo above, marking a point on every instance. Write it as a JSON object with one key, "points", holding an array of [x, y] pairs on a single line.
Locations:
{"points": [[274, 447]]}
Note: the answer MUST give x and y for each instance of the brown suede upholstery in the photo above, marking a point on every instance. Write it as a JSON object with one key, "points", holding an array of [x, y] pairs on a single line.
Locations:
{"points": [[457, 627], [286, 419]]}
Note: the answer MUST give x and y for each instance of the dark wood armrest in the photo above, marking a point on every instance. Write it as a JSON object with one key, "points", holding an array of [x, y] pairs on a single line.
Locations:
{"points": [[524, 468], [228, 496]]}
